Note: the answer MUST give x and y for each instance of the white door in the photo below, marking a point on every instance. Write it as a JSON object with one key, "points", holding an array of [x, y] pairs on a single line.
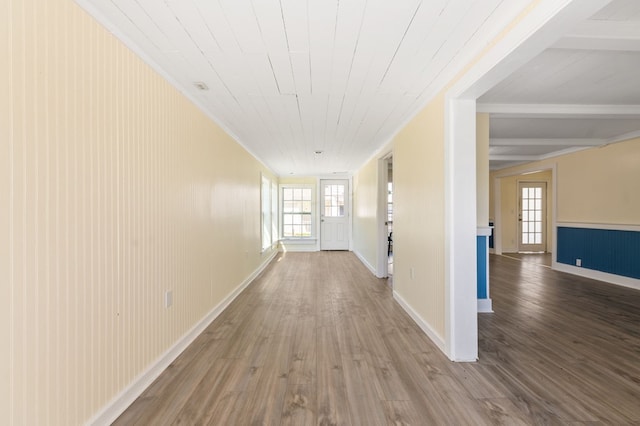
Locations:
{"points": [[532, 216], [334, 215]]}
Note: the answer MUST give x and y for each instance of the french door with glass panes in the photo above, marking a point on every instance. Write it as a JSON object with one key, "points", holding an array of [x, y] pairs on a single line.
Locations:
{"points": [[532, 216]]}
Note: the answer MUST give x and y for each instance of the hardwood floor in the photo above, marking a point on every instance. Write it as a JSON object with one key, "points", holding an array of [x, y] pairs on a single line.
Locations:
{"points": [[539, 258], [316, 339]]}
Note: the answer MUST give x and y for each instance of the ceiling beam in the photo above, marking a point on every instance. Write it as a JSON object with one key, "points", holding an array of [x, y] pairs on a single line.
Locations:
{"points": [[540, 28], [545, 142], [513, 157], [602, 35], [560, 109], [535, 157], [596, 43], [625, 137]]}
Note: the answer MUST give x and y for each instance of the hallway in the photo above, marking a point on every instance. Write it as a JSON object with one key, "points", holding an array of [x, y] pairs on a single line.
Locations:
{"points": [[316, 339]]}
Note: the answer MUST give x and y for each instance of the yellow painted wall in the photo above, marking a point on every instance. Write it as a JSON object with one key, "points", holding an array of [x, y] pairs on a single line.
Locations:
{"points": [[600, 185], [418, 225], [509, 214], [5, 222], [306, 180], [114, 188], [482, 168], [365, 205]]}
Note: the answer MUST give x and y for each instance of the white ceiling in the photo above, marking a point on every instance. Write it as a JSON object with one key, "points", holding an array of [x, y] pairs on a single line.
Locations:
{"points": [[581, 92], [287, 78], [290, 77]]}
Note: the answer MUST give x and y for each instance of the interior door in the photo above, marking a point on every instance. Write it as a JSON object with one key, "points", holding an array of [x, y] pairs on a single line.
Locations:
{"points": [[532, 216], [334, 215]]}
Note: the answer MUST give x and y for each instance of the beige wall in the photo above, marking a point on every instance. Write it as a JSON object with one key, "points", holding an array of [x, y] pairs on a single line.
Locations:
{"points": [[418, 225], [365, 217], [482, 168], [600, 185], [114, 188], [6, 289]]}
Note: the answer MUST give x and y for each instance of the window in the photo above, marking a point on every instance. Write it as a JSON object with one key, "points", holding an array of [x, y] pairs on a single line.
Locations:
{"points": [[274, 212], [389, 202], [269, 209], [265, 201], [297, 211], [531, 215], [334, 200]]}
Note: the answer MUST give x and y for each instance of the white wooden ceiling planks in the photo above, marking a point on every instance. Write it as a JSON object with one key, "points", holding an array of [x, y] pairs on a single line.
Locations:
{"points": [[289, 77]]}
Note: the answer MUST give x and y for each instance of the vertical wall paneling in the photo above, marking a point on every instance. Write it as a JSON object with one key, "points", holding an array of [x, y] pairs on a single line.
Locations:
{"points": [[418, 227], [6, 208], [481, 247], [606, 250], [114, 188]]}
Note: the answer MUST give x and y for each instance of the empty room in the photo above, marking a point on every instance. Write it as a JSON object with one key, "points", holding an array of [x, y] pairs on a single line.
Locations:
{"points": [[357, 212]]}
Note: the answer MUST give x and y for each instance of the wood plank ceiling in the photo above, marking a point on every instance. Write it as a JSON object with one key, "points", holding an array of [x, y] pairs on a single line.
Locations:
{"points": [[287, 78]]}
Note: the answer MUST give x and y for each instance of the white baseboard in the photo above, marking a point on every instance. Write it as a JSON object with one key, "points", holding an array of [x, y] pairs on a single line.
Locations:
{"points": [[598, 275], [289, 246], [485, 306], [122, 401], [424, 326], [365, 263]]}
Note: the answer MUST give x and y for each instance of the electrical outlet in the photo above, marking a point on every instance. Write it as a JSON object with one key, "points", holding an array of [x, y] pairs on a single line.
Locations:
{"points": [[168, 298], [411, 273], [578, 262]]}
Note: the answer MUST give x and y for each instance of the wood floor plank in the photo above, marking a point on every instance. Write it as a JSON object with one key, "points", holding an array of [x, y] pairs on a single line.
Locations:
{"points": [[333, 408], [316, 339], [299, 406], [165, 398], [197, 410], [502, 411], [304, 349], [401, 413], [363, 391]]}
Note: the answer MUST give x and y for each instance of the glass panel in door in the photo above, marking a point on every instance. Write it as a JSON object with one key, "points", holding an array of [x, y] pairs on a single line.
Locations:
{"points": [[532, 216]]}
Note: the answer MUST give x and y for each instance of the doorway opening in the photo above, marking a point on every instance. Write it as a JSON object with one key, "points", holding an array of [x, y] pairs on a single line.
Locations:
{"points": [[384, 216], [389, 218]]}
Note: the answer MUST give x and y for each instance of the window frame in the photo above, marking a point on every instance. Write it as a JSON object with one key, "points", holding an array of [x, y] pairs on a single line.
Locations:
{"points": [[268, 213], [312, 214]]}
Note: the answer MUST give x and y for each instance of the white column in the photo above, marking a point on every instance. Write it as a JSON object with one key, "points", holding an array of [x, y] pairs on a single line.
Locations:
{"points": [[460, 216]]}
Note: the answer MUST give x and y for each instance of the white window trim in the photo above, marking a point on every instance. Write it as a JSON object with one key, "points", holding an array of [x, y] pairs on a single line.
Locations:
{"points": [[268, 211], [265, 211], [275, 214], [314, 213]]}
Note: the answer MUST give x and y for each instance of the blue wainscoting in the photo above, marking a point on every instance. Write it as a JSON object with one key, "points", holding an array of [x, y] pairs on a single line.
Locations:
{"points": [[481, 242], [612, 251]]}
